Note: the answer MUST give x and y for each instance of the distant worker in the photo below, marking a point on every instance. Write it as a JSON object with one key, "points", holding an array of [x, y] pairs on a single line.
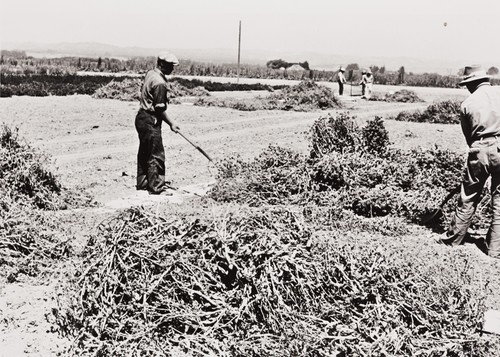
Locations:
{"points": [[363, 83], [341, 80], [369, 84], [152, 112], [480, 120]]}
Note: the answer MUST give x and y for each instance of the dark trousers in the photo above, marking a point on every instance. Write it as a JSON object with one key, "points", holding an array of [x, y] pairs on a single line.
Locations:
{"points": [[483, 162], [151, 155], [341, 88]]}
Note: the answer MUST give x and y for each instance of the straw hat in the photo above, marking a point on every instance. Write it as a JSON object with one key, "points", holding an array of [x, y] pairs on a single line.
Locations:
{"points": [[473, 73]]}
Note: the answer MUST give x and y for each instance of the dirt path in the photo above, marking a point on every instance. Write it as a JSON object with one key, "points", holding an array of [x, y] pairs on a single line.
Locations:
{"points": [[26, 327]]}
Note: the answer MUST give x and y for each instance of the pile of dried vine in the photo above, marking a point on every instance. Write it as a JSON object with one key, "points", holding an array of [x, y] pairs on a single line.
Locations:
{"points": [[259, 283], [403, 95], [442, 112], [128, 89], [349, 168], [27, 192], [277, 176], [303, 97]]}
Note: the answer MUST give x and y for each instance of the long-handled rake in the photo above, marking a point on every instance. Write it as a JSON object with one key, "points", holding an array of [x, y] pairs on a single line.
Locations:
{"points": [[196, 146], [200, 150]]}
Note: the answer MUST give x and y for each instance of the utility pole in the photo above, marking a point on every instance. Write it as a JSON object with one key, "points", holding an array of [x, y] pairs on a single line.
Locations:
{"points": [[239, 49]]}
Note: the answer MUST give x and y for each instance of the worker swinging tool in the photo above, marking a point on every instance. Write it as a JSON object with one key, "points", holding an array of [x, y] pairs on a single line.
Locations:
{"points": [[148, 122]]}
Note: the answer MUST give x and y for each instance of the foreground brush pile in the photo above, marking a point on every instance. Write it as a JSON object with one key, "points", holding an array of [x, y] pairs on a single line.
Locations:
{"points": [[28, 191], [260, 283]]}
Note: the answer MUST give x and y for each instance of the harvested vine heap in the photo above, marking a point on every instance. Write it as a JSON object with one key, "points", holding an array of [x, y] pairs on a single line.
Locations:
{"points": [[128, 89], [27, 191], [305, 96], [403, 95], [349, 170], [445, 112], [260, 283]]}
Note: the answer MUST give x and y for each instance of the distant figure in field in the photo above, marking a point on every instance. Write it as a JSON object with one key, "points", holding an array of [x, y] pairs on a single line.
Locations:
{"points": [[480, 120], [152, 112], [363, 83], [369, 84], [341, 80]]}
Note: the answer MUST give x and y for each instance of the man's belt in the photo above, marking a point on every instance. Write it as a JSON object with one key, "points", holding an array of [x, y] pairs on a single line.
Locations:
{"points": [[150, 112]]}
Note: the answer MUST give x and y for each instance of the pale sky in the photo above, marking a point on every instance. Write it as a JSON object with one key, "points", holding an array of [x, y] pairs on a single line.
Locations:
{"points": [[413, 28]]}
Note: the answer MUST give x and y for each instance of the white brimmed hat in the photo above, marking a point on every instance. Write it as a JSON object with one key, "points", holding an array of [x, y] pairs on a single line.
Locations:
{"points": [[168, 57], [473, 73], [341, 69]]}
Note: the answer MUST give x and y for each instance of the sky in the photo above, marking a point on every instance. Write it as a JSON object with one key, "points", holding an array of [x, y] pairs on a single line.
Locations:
{"points": [[391, 28]]}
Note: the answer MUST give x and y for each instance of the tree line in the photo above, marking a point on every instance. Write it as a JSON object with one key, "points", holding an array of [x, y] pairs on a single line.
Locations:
{"points": [[18, 63]]}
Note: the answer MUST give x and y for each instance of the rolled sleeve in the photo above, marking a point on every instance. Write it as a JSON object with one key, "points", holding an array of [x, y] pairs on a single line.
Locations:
{"points": [[160, 97]]}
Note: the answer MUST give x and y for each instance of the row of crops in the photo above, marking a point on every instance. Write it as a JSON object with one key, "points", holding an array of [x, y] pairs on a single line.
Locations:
{"points": [[305, 96], [24, 66], [42, 85]]}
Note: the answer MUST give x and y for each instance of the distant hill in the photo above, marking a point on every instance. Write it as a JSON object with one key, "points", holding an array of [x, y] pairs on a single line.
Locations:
{"points": [[319, 61]]}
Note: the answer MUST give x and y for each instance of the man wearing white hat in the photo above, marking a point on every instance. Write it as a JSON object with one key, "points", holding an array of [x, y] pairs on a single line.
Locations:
{"points": [[152, 112], [480, 119], [341, 80]]}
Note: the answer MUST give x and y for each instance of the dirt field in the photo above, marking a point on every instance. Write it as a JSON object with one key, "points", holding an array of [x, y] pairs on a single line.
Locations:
{"points": [[93, 146], [93, 142]]}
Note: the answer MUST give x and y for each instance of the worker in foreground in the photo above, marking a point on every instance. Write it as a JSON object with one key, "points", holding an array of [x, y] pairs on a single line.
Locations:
{"points": [[152, 112], [480, 119]]}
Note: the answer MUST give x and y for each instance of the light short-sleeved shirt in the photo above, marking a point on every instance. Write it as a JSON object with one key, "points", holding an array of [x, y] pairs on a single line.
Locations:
{"points": [[341, 78], [480, 117], [154, 91]]}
